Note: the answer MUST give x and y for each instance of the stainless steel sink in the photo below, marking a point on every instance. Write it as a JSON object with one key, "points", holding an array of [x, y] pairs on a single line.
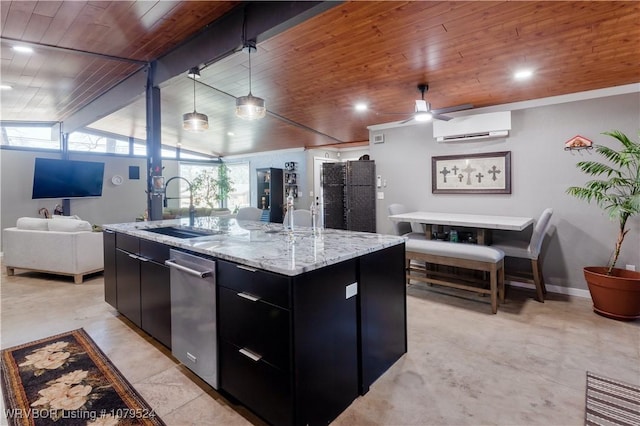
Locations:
{"points": [[179, 232]]}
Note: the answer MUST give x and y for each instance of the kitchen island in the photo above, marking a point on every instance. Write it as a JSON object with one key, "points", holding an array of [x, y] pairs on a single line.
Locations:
{"points": [[306, 321]]}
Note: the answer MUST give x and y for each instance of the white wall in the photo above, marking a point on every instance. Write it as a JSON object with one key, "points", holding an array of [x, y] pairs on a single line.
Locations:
{"points": [[541, 172], [119, 203]]}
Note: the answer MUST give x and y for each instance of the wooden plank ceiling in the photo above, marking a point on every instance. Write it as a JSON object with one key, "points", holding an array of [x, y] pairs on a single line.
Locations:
{"points": [[312, 74]]}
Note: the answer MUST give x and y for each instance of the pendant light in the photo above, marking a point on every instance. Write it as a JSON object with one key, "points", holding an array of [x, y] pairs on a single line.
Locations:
{"points": [[195, 121], [250, 107]]}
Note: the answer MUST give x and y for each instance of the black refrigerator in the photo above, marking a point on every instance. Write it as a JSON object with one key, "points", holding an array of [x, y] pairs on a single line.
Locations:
{"points": [[349, 195]]}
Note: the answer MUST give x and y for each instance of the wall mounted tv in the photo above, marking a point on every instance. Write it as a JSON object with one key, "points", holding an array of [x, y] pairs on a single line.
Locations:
{"points": [[54, 178]]}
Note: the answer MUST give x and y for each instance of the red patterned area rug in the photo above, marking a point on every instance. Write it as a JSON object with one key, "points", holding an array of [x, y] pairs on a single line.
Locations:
{"points": [[67, 380], [611, 402]]}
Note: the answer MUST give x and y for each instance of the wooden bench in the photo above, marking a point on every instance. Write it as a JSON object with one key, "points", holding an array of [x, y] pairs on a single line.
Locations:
{"points": [[468, 256]]}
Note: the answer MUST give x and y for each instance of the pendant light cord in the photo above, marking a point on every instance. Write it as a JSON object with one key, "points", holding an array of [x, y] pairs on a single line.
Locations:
{"points": [[249, 70], [194, 93]]}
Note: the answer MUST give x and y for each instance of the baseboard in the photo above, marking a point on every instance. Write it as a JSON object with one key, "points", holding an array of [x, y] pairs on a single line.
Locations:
{"points": [[578, 292]]}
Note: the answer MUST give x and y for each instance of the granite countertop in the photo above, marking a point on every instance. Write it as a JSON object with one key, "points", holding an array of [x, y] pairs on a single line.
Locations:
{"points": [[264, 245]]}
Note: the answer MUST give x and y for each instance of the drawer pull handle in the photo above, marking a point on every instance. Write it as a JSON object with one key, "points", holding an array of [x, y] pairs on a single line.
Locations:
{"points": [[251, 355], [248, 296], [133, 256], [192, 358], [247, 268], [200, 274]]}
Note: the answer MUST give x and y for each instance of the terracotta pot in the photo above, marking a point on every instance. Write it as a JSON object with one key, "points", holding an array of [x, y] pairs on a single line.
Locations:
{"points": [[614, 296]]}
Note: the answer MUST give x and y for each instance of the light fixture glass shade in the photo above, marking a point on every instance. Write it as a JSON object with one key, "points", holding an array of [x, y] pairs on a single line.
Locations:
{"points": [[422, 116], [250, 107], [195, 122]]}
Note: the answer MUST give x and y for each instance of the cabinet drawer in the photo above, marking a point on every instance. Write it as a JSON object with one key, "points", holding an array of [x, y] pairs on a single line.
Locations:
{"points": [[266, 286], [157, 252], [264, 389], [128, 243], [260, 327]]}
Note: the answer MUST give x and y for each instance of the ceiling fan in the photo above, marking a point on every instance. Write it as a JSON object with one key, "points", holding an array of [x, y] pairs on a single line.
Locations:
{"points": [[423, 111]]}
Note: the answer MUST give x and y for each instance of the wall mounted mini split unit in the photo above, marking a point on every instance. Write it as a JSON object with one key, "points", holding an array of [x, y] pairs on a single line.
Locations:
{"points": [[473, 127]]}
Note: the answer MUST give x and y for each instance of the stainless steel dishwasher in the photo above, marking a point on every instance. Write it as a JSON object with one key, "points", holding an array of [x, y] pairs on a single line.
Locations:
{"points": [[193, 314]]}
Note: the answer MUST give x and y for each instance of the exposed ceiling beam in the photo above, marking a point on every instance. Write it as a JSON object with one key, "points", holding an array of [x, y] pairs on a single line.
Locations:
{"points": [[119, 96], [72, 50], [256, 20]]}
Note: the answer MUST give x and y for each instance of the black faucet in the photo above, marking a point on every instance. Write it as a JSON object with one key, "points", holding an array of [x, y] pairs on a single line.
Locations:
{"points": [[192, 208]]}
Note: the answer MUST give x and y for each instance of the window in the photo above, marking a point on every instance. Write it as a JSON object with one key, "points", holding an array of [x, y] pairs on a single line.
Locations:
{"points": [[140, 149], [204, 177], [239, 174], [34, 136], [87, 142]]}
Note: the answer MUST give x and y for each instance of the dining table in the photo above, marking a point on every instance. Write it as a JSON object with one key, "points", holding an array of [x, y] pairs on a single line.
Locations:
{"points": [[483, 223]]}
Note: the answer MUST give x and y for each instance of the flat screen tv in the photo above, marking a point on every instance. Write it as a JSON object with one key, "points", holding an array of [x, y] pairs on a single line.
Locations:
{"points": [[54, 178]]}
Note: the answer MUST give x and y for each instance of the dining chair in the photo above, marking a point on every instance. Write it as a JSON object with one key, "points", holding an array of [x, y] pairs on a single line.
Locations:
{"points": [[249, 213], [300, 218], [405, 229], [529, 250]]}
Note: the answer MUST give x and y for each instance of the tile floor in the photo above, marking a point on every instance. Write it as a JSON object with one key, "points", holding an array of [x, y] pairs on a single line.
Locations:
{"points": [[524, 366]]}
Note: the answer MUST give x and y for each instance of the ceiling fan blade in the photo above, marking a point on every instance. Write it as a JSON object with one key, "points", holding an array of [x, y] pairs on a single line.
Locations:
{"points": [[452, 109], [441, 117]]}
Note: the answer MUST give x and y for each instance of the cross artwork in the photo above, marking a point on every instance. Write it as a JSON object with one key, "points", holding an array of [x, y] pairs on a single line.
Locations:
{"points": [[468, 170], [494, 171], [484, 173], [444, 173]]}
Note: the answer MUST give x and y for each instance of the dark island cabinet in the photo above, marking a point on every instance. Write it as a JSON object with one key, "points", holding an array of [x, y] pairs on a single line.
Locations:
{"points": [[383, 307], [295, 350], [128, 285], [289, 345], [110, 290], [255, 340], [142, 281]]}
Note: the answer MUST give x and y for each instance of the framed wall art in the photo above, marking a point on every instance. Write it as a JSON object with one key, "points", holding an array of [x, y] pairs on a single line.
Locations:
{"points": [[486, 173]]}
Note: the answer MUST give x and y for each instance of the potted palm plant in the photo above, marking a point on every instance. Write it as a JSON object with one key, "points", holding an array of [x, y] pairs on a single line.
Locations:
{"points": [[616, 190]]}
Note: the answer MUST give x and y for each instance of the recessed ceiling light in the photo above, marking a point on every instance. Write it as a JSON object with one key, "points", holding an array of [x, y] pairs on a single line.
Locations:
{"points": [[23, 49], [5, 87], [523, 74], [361, 106], [230, 134]]}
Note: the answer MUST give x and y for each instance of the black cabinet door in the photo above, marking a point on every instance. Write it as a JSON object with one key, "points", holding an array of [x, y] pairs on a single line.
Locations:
{"points": [[128, 285], [383, 312], [325, 342], [110, 290], [155, 301]]}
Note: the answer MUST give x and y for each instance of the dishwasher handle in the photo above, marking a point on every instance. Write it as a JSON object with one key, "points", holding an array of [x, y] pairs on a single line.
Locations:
{"points": [[200, 274]]}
